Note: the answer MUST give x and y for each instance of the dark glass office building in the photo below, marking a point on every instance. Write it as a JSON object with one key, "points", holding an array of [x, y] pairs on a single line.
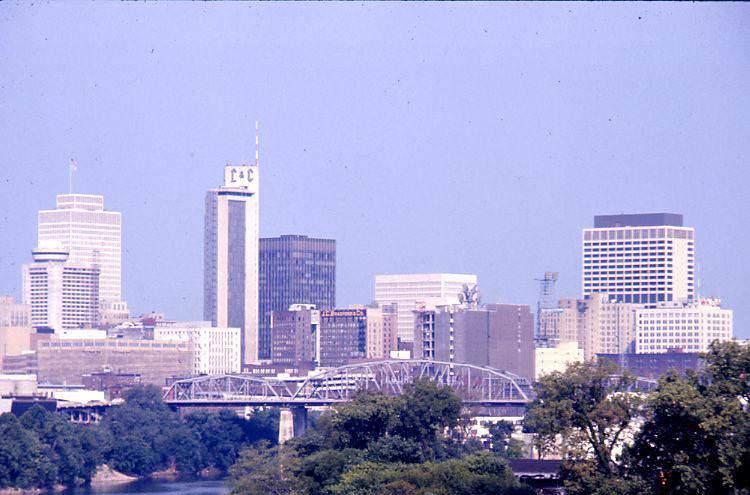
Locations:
{"points": [[294, 269]]}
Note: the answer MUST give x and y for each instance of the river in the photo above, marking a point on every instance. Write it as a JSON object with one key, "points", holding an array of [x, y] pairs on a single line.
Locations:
{"points": [[155, 488]]}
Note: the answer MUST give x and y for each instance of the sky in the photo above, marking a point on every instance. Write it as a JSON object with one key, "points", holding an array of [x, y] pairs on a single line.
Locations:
{"points": [[441, 137]]}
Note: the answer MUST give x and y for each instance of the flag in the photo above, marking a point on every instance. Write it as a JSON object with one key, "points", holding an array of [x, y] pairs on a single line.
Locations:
{"points": [[73, 165]]}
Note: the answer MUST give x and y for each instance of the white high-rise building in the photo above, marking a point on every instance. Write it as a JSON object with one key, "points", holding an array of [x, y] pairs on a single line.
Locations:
{"points": [[642, 259], [61, 294], [230, 257], [91, 235], [216, 350], [413, 290], [687, 326]]}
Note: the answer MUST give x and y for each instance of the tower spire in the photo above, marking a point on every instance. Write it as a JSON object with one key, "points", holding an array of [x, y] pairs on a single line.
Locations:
{"points": [[257, 143]]}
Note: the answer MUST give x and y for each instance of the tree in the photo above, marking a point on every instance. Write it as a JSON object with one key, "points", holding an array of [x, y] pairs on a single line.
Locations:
{"points": [[24, 461], [503, 443], [365, 419], [258, 472], [589, 411], [142, 429], [425, 410], [696, 438]]}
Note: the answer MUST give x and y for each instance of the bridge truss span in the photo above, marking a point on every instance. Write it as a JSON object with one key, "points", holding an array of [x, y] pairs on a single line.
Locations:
{"points": [[473, 384]]}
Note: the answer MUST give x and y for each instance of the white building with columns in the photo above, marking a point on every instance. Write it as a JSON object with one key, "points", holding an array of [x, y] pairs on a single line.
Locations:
{"points": [[216, 349]]}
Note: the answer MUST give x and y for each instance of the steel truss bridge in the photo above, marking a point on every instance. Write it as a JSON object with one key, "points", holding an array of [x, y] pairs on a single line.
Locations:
{"points": [[474, 385]]}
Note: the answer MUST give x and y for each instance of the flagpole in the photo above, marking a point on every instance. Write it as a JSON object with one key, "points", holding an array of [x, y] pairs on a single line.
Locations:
{"points": [[70, 177]]}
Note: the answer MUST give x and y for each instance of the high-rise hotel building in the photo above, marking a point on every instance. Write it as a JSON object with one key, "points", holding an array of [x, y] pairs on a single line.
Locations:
{"points": [[91, 236], [230, 265], [294, 269], [61, 295], [642, 258]]}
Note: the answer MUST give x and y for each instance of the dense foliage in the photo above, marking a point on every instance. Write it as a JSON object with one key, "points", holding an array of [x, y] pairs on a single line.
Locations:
{"points": [[140, 437], [690, 436], [380, 445]]}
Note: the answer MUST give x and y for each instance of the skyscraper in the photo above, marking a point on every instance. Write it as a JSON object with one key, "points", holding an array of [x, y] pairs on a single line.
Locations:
{"points": [[62, 295], [643, 258], [230, 257], [407, 291], [91, 236], [294, 269]]}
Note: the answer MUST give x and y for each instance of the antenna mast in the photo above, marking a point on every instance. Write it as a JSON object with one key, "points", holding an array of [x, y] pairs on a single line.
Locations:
{"points": [[73, 167], [257, 143]]}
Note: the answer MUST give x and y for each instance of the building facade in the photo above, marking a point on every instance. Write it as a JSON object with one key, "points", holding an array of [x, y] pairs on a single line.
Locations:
{"points": [[642, 258], [294, 269], [13, 314], [230, 270], [409, 291], [688, 326], [60, 294], [341, 337], [556, 359], [293, 336], [91, 235], [216, 350], [67, 361], [654, 366], [382, 331], [499, 335]]}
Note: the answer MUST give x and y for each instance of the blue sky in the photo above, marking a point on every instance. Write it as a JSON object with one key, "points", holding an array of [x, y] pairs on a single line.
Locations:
{"points": [[475, 138]]}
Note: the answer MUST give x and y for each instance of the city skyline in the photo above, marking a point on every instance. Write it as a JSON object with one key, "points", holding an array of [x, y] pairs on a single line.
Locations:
{"points": [[503, 214]]}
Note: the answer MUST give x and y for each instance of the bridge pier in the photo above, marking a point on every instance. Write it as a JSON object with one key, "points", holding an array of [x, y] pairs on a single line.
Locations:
{"points": [[292, 423]]}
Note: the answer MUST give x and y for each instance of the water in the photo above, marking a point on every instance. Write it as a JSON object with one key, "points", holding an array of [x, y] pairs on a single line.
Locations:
{"points": [[156, 488]]}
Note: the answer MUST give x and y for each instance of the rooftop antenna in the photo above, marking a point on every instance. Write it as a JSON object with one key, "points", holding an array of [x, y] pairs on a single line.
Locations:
{"points": [[257, 143], [73, 167]]}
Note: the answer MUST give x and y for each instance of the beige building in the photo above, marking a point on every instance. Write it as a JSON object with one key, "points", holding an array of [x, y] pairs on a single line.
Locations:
{"points": [[382, 331], [688, 326], [14, 341], [599, 324], [550, 359], [65, 361], [13, 314]]}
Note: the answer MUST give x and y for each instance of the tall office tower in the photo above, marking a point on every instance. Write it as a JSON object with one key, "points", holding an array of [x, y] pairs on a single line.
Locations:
{"points": [[230, 256], [294, 269], [643, 258], [91, 235], [62, 295], [682, 326], [500, 336], [409, 291]]}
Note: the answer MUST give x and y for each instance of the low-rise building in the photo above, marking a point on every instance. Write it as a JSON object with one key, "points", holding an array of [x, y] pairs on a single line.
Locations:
{"points": [[687, 325], [653, 366], [216, 350], [13, 314], [66, 361], [558, 358]]}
